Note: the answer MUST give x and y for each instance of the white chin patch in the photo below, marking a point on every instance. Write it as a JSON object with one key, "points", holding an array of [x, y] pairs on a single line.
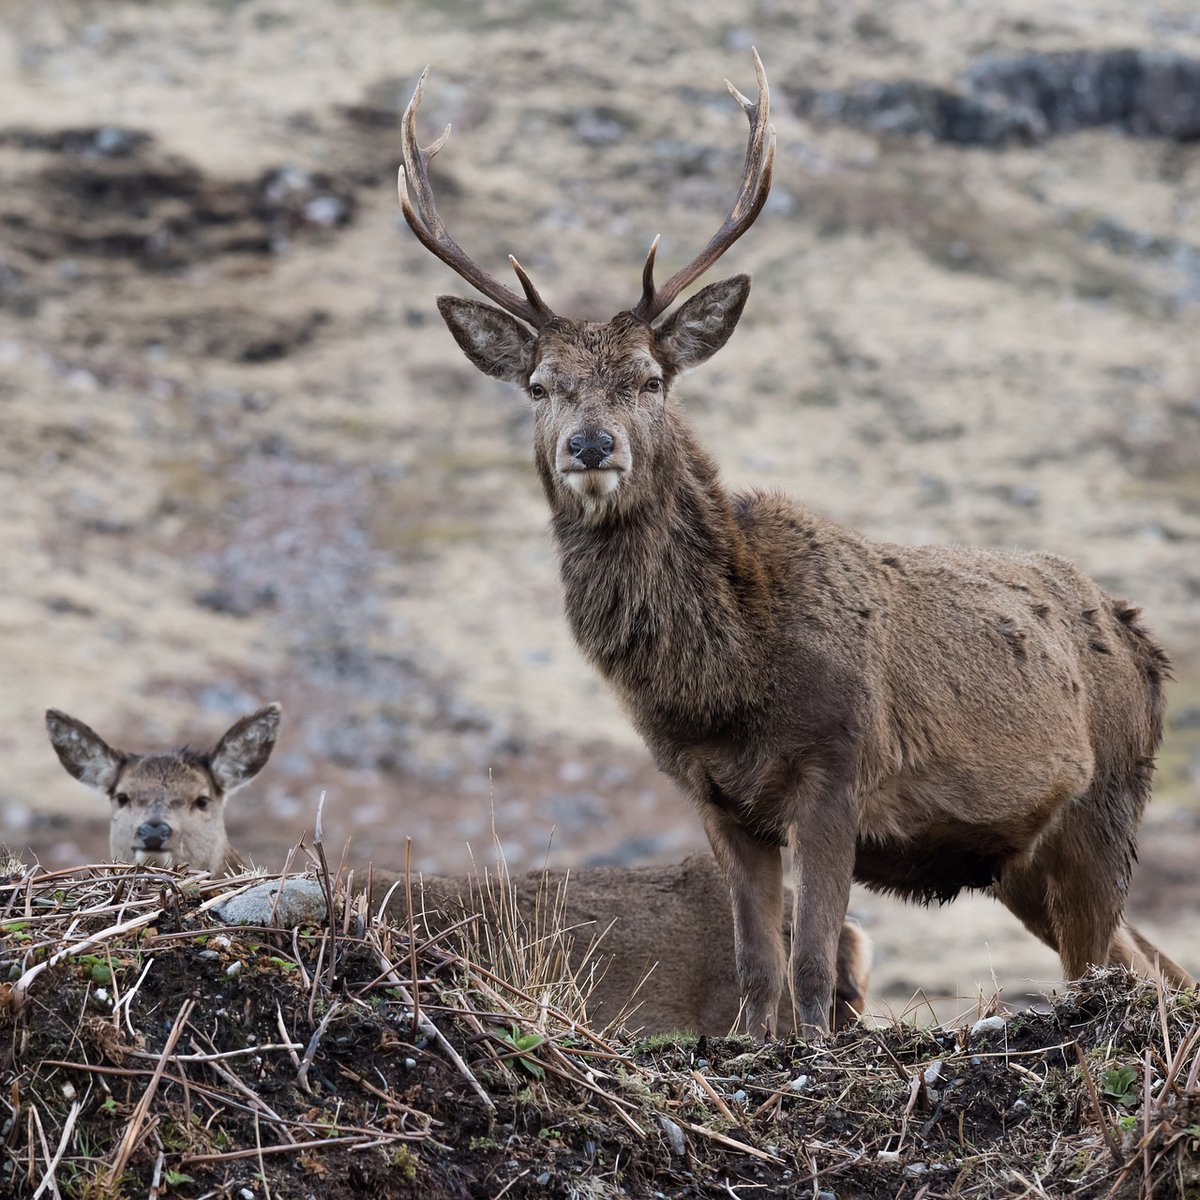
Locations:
{"points": [[153, 858], [593, 487]]}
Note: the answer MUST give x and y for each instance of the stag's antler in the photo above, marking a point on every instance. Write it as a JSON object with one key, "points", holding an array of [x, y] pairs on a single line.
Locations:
{"points": [[424, 221], [751, 196]]}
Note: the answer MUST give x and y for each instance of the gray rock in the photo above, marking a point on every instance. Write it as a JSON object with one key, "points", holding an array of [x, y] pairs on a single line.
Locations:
{"points": [[284, 903], [986, 1026], [674, 1136]]}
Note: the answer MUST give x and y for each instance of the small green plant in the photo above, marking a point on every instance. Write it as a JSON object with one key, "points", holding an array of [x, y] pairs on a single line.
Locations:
{"points": [[1120, 1086], [405, 1161], [175, 1178], [523, 1043]]}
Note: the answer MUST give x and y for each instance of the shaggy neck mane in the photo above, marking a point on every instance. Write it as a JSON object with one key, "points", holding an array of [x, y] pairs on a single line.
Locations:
{"points": [[668, 597]]}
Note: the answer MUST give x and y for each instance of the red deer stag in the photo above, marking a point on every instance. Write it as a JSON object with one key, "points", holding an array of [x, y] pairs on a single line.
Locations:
{"points": [[922, 719]]}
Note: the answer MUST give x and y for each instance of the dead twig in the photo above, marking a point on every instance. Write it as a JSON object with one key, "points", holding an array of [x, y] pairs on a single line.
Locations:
{"points": [[257, 1103], [19, 993]]}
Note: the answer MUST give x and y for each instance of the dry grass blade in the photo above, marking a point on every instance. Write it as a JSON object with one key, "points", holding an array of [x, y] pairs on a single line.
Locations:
{"points": [[48, 1182]]}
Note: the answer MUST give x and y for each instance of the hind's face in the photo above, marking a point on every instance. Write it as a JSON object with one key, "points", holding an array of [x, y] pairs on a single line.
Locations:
{"points": [[166, 813]]}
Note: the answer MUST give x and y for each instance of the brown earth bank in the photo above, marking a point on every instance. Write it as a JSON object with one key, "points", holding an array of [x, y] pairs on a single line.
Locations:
{"points": [[243, 461], [146, 1050]]}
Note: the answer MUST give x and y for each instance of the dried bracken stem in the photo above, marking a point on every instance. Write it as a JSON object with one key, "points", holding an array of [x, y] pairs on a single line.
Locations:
{"points": [[1111, 1141], [1147, 1182], [287, 1037], [313, 1042], [428, 1028], [720, 1104], [294, 1148], [134, 1130], [327, 883], [412, 940], [721, 1139], [20, 989]]}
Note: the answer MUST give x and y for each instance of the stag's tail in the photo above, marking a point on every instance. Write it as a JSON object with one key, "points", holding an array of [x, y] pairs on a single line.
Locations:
{"points": [[1135, 951], [853, 974]]}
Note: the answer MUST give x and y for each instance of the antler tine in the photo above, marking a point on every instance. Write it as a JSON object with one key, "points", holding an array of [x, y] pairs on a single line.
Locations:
{"points": [[647, 299], [420, 211], [539, 305], [747, 204]]}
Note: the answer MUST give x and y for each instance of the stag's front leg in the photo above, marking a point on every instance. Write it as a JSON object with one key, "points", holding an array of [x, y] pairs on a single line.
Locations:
{"points": [[822, 854], [753, 871]]}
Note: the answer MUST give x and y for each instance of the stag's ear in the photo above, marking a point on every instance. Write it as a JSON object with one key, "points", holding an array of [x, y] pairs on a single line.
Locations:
{"points": [[85, 754], [499, 345], [245, 748], [698, 329]]}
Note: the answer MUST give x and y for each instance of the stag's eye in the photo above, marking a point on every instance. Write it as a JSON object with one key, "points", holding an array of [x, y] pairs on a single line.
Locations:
{"points": [[201, 802], [122, 799], [653, 385], [537, 391]]}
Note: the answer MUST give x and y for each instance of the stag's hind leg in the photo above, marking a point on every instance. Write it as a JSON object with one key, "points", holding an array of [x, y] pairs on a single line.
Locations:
{"points": [[1071, 891], [853, 975], [1137, 952]]}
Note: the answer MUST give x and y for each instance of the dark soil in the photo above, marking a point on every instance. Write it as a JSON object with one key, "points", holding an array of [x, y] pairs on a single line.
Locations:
{"points": [[363, 1096]]}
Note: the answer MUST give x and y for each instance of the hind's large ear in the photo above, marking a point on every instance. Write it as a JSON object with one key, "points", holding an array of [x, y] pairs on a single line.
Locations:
{"points": [[84, 753], [499, 345], [245, 748], [699, 328]]}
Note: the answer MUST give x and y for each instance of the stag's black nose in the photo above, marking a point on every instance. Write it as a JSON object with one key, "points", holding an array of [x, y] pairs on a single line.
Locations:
{"points": [[591, 448], [154, 835]]}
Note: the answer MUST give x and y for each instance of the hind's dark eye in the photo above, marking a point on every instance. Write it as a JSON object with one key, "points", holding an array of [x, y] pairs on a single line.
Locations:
{"points": [[537, 391], [122, 799], [653, 385], [201, 802]]}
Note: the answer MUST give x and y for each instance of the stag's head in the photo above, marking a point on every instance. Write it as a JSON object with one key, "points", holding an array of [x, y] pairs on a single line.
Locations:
{"points": [[167, 809], [601, 391]]}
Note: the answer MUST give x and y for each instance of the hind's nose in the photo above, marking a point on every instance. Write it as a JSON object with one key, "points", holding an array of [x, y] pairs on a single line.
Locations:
{"points": [[154, 835], [591, 448]]}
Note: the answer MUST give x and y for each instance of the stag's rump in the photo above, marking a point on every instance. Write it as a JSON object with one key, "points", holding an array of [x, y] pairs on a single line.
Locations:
{"points": [[1019, 697]]}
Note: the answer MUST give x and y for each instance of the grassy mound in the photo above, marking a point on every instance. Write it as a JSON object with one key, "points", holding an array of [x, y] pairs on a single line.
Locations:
{"points": [[147, 1050]]}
